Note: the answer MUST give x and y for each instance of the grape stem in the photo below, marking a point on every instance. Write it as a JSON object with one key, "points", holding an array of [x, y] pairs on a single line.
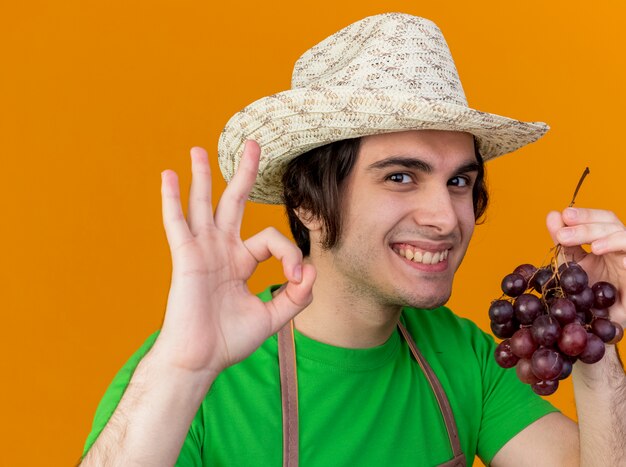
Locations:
{"points": [[580, 182], [558, 247]]}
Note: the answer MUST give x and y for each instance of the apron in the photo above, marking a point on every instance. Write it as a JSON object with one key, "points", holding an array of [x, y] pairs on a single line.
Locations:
{"points": [[289, 396]]}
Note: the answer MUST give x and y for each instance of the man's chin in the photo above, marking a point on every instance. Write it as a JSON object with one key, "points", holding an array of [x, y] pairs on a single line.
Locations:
{"points": [[430, 302]]}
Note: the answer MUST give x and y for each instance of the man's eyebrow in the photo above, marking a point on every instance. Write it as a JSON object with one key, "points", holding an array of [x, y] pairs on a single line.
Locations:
{"points": [[418, 164], [402, 161], [473, 166]]}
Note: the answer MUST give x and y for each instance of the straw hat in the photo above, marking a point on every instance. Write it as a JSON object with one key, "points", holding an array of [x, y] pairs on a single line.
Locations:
{"points": [[385, 73]]}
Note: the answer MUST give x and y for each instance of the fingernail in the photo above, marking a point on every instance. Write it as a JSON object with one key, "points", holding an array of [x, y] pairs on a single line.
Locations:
{"points": [[297, 272], [572, 213]]}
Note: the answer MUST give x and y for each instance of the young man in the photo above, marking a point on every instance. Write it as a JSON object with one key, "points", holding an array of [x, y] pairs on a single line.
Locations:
{"points": [[380, 164]]}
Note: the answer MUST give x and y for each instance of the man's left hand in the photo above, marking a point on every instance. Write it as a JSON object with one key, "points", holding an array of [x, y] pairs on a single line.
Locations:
{"points": [[606, 235]]}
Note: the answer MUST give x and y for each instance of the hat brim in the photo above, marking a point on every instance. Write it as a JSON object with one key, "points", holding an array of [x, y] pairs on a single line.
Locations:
{"points": [[293, 122]]}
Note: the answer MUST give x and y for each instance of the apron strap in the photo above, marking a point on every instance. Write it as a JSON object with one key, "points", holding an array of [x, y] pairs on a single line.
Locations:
{"points": [[289, 396], [444, 405]]}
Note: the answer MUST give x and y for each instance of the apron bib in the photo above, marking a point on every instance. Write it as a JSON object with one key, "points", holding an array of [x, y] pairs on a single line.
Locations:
{"points": [[289, 397]]}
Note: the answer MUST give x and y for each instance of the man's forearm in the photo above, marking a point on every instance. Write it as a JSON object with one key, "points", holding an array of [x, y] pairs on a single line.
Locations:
{"points": [[153, 417], [600, 391]]}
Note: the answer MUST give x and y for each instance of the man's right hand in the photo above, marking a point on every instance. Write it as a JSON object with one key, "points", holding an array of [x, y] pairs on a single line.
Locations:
{"points": [[212, 320]]}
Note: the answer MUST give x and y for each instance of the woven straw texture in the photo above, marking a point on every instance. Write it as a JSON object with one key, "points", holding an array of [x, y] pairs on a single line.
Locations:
{"points": [[385, 73]]}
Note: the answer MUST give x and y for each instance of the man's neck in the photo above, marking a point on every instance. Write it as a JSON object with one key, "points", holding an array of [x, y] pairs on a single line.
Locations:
{"points": [[343, 317]]}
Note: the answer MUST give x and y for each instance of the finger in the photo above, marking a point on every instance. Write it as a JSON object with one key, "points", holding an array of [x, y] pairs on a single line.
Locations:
{"points": [[613, 243], [270, 242], [585, 233], [176, 228], [555, 223], [200, 214], [229, 211], [576, 216], [292, 299]]}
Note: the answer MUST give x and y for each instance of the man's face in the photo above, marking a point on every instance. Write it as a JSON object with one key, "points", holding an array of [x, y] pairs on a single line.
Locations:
{"points": [[408, 217]]}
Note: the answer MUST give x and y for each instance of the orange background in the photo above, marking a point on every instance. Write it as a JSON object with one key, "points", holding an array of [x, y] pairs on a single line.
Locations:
{"points": [[97, 98]]}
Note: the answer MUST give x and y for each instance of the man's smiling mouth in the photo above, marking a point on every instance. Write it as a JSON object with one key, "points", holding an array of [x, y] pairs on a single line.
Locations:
{"points": [[420, 256]]}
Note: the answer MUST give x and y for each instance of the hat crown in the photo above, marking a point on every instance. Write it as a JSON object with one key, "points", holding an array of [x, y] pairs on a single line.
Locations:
{"points": [[386, 73], [392, 51]]}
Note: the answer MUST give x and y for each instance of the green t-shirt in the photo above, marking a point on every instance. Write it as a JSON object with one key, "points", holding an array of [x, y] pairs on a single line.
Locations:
{"points": [[357, 407]]}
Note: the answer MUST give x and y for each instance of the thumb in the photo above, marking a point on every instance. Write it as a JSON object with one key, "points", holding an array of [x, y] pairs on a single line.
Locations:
{"points": [[292, 298], [554, 222]]}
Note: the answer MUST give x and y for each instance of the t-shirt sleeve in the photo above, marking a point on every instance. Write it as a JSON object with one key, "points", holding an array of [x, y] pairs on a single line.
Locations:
{"points": [[191, 451], [509, 405]]}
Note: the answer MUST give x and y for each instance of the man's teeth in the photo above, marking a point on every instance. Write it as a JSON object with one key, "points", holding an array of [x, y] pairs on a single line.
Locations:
{"points": [[426, 257]]}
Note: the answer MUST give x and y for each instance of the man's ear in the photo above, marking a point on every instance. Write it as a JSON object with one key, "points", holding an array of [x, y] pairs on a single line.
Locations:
{"points": [[310, 221]]}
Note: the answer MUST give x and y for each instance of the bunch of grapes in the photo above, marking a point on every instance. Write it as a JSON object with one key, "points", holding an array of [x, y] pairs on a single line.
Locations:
{"points": [[549, 318]]}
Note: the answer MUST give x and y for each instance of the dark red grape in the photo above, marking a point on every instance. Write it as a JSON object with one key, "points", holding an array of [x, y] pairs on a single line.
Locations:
{"points": [[603, 328], [504, 357], [549, 300], [501, 311], [584, 317], [525, 372], [569, 264], [600, 313], [522, 343], [513, 285], [583, 300], [545, 388], [619, 333], [573, 280], [568, 366], [526, 271], [605, 294], [594, 350], [547, 364], [552, 294], [573, 339], [545, 330], [504, 331], [563, 310], [543, 279], [527, 307]]}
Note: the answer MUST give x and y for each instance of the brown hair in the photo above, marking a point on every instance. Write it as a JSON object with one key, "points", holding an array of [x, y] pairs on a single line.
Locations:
{"points": [[313, 182]]}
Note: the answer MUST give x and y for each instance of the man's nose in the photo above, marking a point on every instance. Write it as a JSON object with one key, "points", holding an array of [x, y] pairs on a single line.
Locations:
{"points": [[434, 209]]}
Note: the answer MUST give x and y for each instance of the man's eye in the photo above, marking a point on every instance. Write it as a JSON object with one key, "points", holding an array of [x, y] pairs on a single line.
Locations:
{"points": [[399, 178], [459, 181]]}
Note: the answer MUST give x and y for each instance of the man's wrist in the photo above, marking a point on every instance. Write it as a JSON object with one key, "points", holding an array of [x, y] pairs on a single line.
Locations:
{"points": [[160, 364], [609, 369]]}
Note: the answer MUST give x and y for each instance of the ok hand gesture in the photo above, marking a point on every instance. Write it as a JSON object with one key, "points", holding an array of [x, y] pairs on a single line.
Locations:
{"points": [[212, 320]]}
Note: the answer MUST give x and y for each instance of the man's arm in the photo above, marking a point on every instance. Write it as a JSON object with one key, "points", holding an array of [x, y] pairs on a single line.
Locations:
{"points": [[600, 391], [600, 437], [550, 441], [212, 320], [153, 417]]}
